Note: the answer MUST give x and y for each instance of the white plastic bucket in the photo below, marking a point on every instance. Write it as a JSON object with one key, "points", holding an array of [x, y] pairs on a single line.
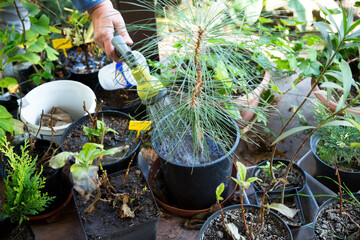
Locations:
{"points": [[65, 94]]}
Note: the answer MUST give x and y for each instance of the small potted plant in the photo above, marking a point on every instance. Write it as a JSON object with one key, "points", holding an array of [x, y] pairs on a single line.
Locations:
{"points": [[113, 127], [246, 221], [23, 196], [122, 197], [332, 145], [84, 59]]}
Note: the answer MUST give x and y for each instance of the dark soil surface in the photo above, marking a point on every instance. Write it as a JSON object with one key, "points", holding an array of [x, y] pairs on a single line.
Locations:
{"points": [[290, 202], [331, 225], [273, 229], [76, 61], [295, 177], [77, 138], [118, 98], [105, 221]]}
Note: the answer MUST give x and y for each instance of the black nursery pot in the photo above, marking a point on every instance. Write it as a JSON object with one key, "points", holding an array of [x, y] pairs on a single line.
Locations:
{"points": [[302, 175], [6, 227], [11, 103], [193, 187], [101, 225], [326, 209], [294, 198], [216, 217], [115, 166], [136, 109], [88, 79], [351, 179]]}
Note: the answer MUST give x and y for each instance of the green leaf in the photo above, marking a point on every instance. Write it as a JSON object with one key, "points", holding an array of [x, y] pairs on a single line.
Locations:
{"points": [[6, 125], [241, 170], [219, 191], [253, 179], [284, 210], [51, 53], [237, 181], [354, 123], [4, 113], [32, 8], [291, 132], [7, 82], [354, 144], [312, 54], [38, 45], [78, 171], [338, 123], [347, 82], [60, 159], [40, 25], [292, 61], [18, 126], [26, 57]]}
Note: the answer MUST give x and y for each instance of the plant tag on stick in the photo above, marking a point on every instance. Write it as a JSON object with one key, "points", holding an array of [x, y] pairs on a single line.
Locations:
{"points": [[62, 43], [139, 126]]}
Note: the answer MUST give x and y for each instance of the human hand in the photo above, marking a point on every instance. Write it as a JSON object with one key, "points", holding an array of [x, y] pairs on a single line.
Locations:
{"points": [[106, 21]]}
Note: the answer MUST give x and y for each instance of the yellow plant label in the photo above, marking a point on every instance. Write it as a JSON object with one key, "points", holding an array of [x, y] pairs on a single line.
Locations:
{"points": [[62, 43], [139, 126]]}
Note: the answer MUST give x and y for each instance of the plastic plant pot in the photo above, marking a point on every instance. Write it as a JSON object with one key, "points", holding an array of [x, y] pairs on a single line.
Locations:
{"points": [[256, 171], [295, 198], [351, 179], [146, 230], [193, 187], [115, 165], [65, 94], [216, 217], [325, 209], [158, 189]]}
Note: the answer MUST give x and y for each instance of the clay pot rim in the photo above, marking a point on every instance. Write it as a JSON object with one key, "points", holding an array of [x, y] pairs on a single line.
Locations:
{"points": [[178, 211], [331, 104]]}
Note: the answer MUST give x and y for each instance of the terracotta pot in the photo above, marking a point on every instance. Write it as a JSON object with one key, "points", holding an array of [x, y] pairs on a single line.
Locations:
{"points": [[179, 211], [253, 98], [331, 104]]}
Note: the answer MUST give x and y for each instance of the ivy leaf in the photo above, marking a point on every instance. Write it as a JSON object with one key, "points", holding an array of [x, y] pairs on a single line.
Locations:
{"points": [[40, 25]]}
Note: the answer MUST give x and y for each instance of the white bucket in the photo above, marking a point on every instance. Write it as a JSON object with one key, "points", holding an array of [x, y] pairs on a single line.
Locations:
{"points": [[65, 94]]}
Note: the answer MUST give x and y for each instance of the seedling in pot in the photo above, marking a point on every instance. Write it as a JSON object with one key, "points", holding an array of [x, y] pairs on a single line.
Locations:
{"points": [[98, 131], [84, 171], [268, 167], [349, 227], [253, 232], [23, 185]]}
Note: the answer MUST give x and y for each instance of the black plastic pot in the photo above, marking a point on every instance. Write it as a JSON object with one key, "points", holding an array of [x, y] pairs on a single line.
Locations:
{"points": [[118, 165], [6, 226], [217, 217], [324, 207], [55, 184], [256, 171], [193, 186], [351, 179], [11, 103], [292, 194], [135, 109], [144, 231]]}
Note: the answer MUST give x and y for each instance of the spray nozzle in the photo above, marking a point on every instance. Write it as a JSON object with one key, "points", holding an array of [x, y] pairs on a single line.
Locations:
{"points": [[124, 51]]}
